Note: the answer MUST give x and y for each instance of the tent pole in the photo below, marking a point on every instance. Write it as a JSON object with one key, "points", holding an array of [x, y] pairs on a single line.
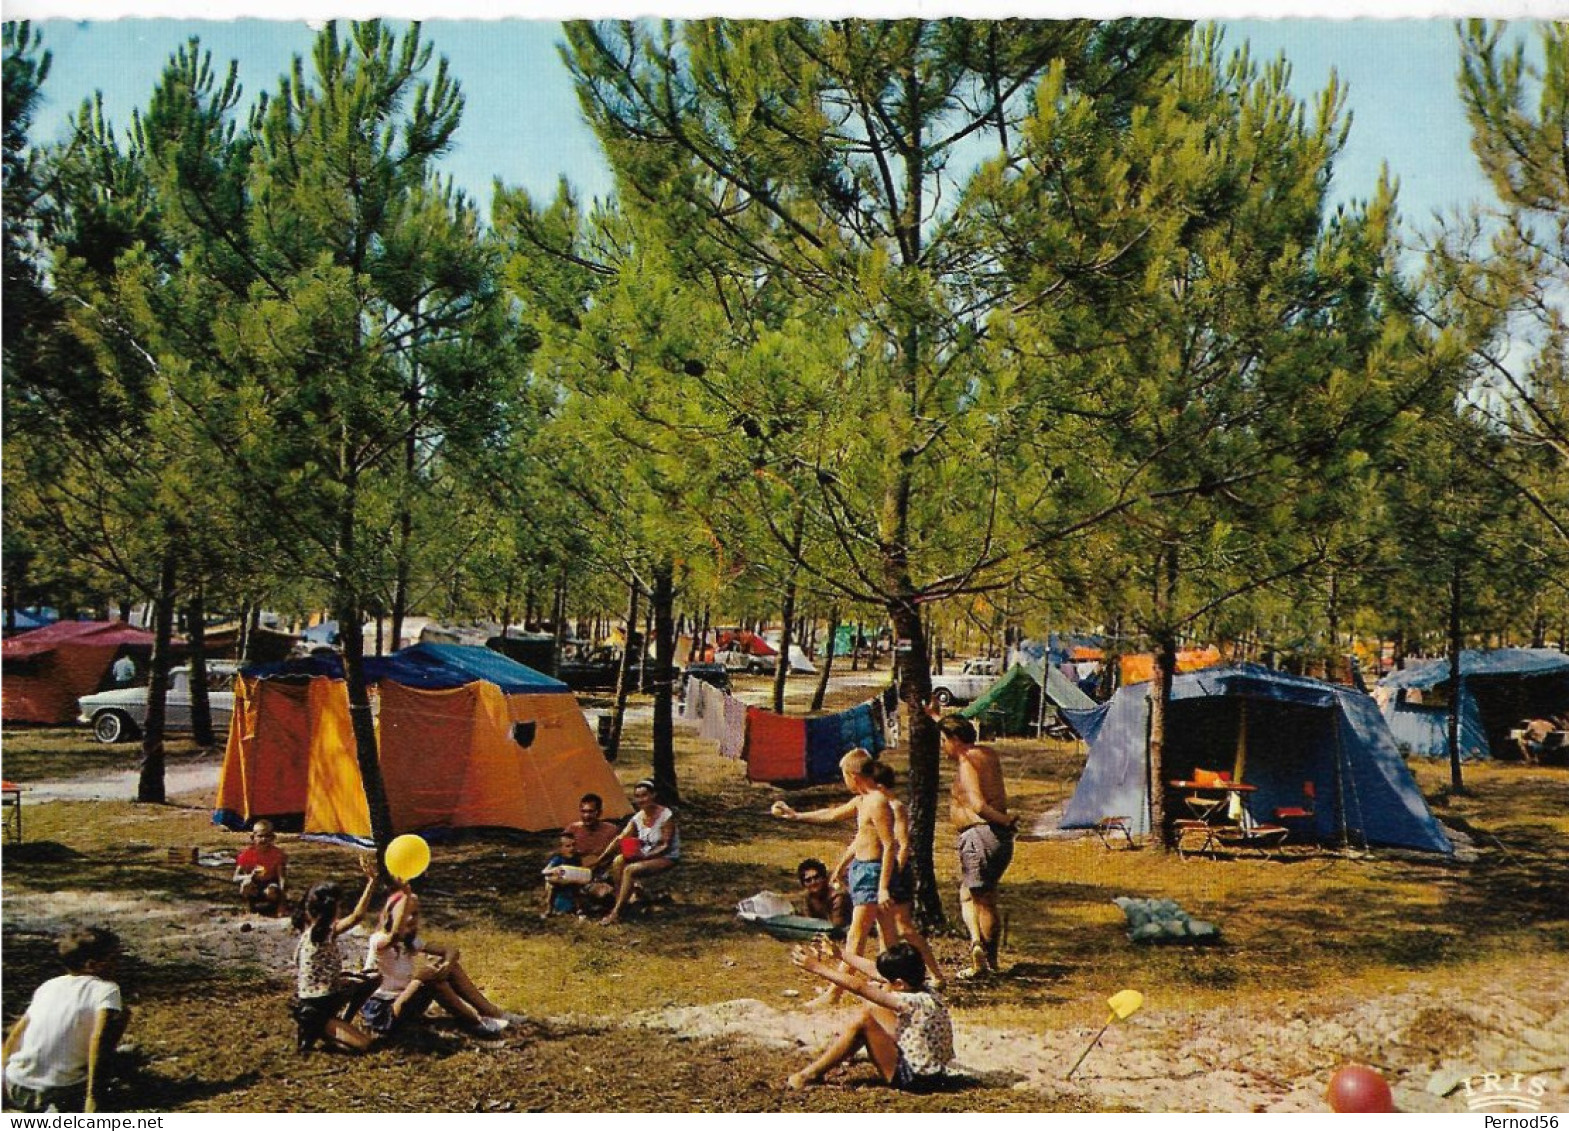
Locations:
{"points": [[1361, 824], [1240, 765]]}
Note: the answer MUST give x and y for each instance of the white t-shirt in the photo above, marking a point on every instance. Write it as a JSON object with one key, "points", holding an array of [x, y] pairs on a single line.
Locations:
{"points": [[395, 964], [59, 1034], [651, 836]]}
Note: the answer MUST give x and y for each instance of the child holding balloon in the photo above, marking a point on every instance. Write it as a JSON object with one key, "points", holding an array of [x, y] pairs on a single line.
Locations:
{"points": [[325, 994], [407, 986]]}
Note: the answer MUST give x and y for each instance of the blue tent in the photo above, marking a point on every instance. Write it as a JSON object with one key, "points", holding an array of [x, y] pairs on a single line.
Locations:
{"points": [[1497, 690], [1297, 730], [428, 667]]}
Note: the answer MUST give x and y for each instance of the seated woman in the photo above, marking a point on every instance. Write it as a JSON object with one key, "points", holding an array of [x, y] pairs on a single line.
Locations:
{"points": [[408, 986], [658, 847]]}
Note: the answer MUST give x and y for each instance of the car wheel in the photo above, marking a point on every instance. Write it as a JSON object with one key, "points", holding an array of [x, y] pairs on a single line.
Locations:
{"points": [[112, 726], [942, 697], [754, 669]]}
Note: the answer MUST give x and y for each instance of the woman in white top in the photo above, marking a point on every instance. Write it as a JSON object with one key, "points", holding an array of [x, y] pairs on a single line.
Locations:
{"points": [[658, 848]]}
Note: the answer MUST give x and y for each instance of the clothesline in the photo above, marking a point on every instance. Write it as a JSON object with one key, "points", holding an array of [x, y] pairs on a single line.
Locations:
{"points": [[781, 748]]}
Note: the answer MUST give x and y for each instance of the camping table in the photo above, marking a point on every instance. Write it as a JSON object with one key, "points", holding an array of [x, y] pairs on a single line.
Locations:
{"points": [[1206, 801], [11, 798]]}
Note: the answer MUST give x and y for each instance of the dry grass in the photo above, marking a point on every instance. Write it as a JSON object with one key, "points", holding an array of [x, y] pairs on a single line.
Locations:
{"points": [[1292, 930]]}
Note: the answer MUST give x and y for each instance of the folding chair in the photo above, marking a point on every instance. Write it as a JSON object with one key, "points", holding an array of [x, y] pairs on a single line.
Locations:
{"points": [[1107, 827], [11, 799], [1249, 834], [1299, 818]]}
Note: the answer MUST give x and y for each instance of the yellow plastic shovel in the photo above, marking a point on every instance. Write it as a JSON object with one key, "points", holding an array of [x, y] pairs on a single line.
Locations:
{"points": [[1123, 1004]]}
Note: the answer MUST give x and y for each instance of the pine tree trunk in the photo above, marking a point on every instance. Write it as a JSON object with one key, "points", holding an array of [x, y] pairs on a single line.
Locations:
{"points": [[827, 659], [150, 783], [623, 679], [782, 664], [664, 685], [1456, 643]]}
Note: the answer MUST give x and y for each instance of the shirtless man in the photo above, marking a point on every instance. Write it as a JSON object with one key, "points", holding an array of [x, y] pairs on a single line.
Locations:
{"points": [[978, 808], [870, 859]]}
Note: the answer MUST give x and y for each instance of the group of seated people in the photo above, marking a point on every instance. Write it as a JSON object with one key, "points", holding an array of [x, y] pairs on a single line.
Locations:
{"points": [[599, 863]]}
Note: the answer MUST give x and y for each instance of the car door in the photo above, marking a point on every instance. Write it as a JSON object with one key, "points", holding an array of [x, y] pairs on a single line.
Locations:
{"points": [[177, 705]]}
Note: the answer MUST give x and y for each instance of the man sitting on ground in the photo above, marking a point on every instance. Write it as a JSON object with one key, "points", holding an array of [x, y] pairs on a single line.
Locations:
{"points": [[825, 901]]}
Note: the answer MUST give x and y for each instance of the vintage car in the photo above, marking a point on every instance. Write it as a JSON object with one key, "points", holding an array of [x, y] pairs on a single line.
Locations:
{"points": [[119, 715], [740, 660], [968, 684]]}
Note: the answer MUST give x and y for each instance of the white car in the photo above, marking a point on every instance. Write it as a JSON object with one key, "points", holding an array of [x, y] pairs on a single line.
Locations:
{"points": [[969, 684], [119, 715], [735, 660]]}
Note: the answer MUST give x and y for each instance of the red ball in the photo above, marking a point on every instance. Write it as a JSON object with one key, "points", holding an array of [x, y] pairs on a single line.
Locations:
{"points": [[1358, 1088]]}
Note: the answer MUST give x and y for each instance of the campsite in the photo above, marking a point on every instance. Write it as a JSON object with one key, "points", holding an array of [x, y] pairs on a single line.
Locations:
{"points": [[1102, 464], [1431, 967]]}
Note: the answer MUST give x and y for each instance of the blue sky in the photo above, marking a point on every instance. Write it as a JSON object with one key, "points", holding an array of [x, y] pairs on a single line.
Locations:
{"points": [[522, 123]]}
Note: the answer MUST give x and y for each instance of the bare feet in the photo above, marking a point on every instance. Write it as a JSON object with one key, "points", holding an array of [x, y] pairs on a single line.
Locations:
{"points": [[609, 920], [799, 1080]]}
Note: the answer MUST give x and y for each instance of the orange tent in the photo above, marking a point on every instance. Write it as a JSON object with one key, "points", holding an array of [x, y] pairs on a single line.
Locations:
{"points": [[1140, 667], [445, 739], [48, 669]]}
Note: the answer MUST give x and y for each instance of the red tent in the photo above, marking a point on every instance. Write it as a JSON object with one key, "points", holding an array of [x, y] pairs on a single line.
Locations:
{"points": [[46, 670], [748, 642]]}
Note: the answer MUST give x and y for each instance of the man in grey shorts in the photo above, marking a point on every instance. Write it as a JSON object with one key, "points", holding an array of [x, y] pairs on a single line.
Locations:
{"points": [[978, 808]]}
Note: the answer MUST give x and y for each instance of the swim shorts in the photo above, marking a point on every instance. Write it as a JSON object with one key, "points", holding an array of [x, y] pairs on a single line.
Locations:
{"points": [[985, 851], [865, 875]]}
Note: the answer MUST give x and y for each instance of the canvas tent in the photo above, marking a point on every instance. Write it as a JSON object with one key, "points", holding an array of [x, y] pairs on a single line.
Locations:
{"points": [[48, 669], [1271, 730], [1497, 690], [1012, 705], [445, 735]]}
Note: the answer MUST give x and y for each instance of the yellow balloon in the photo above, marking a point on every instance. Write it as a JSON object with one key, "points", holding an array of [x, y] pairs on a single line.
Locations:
{"points": [[407, 856]]}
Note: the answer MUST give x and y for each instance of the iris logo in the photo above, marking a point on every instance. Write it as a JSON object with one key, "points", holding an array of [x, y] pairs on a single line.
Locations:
{"points": [[1514, 1092]]}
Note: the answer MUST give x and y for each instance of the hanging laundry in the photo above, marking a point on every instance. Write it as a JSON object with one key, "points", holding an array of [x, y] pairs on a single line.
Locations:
{"points": [[732, 742], [715, 709], [858, 727], [775, 747], [691, 713], [824, 748]]}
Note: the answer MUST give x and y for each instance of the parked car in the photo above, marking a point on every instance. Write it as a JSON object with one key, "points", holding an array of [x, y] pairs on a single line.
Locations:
{"points": [[119, 715], [593, 670], [715, 675], [735, 660], [969, 684]]}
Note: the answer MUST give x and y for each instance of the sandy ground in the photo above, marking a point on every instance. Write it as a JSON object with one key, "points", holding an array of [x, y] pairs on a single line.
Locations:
{"points": [[1161, 1059]]}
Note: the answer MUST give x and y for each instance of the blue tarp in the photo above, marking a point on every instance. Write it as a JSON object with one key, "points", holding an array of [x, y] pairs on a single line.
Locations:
{"points": [[430, 667], [1498, 689], [1298, 730]]}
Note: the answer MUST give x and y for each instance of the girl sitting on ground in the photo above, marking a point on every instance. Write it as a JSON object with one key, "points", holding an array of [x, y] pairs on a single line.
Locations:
{"points": [[408, 986], [905, 1028], [326, 996]]}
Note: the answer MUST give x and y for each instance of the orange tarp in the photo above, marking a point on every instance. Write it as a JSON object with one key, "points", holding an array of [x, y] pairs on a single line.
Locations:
{"points": [[1140, 668]]}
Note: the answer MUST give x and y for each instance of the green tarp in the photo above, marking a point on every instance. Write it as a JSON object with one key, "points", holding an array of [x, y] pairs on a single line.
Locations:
{"points": [[1012, 706]]}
